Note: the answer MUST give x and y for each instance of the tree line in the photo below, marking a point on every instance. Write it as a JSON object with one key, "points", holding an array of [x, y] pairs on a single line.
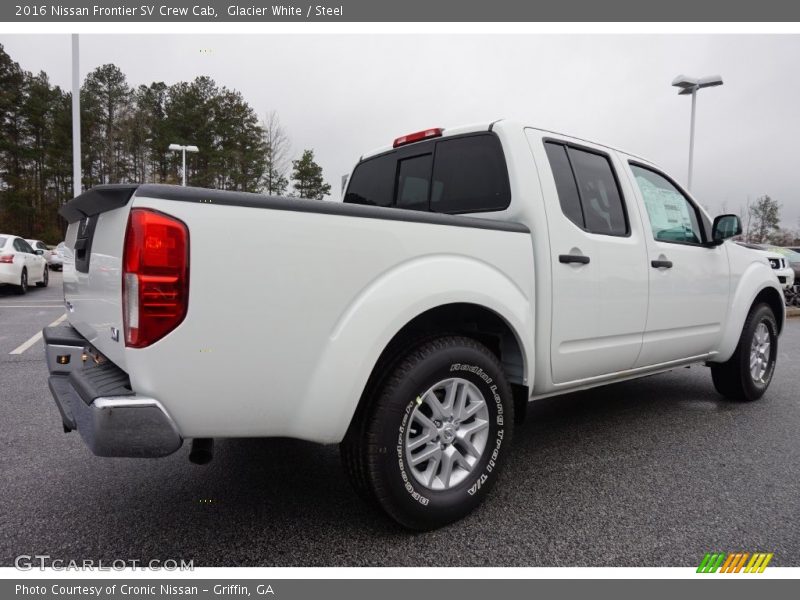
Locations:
{"points": [[125, 135]]}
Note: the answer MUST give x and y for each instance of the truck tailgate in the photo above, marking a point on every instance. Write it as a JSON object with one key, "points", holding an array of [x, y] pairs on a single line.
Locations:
{"points": [[92, 266]]}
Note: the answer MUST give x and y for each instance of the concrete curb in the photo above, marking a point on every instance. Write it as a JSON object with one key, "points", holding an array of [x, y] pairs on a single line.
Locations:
{"points": [[792, 311]]}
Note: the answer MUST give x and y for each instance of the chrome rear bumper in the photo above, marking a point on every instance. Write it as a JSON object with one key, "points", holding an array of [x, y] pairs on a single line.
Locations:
{"points": [[97, 400]]}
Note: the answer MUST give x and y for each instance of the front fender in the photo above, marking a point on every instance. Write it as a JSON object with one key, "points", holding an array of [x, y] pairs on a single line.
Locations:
{"points": [[382, 309], [756, 278]]}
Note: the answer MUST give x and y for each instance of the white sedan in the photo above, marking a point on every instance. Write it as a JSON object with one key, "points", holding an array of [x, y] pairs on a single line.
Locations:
{"points": [[20, 264], [56, 262], [49, 255]]}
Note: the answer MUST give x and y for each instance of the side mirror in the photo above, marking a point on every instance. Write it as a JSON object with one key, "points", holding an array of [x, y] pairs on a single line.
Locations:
{"points": [[39, 252], [725, 226]]}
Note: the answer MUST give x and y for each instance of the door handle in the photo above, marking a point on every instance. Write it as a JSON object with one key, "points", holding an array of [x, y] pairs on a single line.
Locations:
{"points": [[573, 258], [661, 264]]}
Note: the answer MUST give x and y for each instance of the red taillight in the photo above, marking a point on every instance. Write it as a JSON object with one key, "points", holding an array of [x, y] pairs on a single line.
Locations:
{"points": [[155, 276], [6, 258], [418, 136]]}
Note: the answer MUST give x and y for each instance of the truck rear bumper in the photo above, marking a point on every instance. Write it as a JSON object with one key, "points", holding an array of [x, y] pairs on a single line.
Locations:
{"points": [[97, 400]]}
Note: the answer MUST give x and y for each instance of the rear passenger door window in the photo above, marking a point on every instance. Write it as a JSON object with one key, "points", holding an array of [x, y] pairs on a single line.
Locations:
{"points": [[470, 175], [588, 190]]}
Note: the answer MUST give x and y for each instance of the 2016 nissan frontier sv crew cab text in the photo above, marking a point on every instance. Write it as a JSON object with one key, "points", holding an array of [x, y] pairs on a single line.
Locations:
{"points": [[467, 272]]}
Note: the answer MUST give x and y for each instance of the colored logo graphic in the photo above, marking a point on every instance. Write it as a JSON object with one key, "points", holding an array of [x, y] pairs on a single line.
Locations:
{"points": [[734, 562]]}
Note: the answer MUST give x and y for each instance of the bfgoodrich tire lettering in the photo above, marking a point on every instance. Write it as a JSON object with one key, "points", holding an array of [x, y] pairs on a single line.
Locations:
{"points": [[748, 373], [386, 455]]}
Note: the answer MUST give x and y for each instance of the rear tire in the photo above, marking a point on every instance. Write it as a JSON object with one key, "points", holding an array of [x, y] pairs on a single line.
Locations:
{"points": [[747, 374], [448, 400], [45, 278], [22, 288]]}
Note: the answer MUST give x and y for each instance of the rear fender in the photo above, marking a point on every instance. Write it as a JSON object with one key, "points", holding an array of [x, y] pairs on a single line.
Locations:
{"points": [[382, 309]]}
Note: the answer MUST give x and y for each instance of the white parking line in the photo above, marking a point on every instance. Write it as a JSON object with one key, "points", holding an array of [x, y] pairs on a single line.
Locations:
{"points": [[31, 306], [22, 347]]}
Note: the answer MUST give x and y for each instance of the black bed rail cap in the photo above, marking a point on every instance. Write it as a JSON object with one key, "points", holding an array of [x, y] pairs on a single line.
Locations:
{"points": [[96, 200], [108, 197], [325, 207]]}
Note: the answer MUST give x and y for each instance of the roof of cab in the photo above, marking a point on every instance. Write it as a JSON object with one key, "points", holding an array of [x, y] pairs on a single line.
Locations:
{"points": [[489, 125], [446, 132], [587, 141]]}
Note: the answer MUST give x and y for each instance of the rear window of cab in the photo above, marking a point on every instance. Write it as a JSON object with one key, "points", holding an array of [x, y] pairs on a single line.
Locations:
{"points": [[455, 175]]}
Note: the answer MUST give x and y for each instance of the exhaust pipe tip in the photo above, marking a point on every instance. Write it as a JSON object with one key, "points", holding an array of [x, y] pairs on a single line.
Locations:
{"points": [[202, 451]]}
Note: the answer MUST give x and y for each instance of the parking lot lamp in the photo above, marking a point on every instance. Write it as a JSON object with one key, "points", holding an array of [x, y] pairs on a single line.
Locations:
{"points": [[183, 150], [690, 85]]}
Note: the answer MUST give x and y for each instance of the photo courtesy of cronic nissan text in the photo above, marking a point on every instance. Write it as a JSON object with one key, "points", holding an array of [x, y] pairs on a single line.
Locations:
{"points": [[312, 289]]}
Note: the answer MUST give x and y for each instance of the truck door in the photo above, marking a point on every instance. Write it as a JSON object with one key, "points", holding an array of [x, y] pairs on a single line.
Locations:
{"points": [[689, 280], [598, 261]]}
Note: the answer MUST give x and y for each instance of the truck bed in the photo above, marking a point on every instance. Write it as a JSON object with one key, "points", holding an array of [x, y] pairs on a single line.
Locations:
{"points": [[290, 300]]}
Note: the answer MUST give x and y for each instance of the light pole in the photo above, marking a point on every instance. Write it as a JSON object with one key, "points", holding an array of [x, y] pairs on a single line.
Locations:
{"points": [[76, 117], [183, 150], [690, 85]]}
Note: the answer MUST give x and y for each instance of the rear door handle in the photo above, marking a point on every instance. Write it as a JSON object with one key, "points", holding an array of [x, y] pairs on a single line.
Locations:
{"points": [[573, 258], [661, 264]]}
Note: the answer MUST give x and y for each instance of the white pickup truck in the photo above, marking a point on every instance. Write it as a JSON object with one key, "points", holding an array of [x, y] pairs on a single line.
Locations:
{"points": [[467, 272]]}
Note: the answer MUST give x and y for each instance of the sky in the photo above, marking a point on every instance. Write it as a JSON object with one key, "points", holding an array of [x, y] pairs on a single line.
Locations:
{"points": [[343, 95]]}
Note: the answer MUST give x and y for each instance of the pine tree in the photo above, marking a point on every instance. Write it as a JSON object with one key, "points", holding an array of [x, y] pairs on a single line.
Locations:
{"points": [[59, 155], [14, 193], [191, 118], [240, 155], [106, 103], [307, 179]]}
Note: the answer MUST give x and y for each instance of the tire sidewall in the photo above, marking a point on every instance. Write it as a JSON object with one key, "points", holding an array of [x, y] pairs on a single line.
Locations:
{"points": [[428, 507], [762, 314]]}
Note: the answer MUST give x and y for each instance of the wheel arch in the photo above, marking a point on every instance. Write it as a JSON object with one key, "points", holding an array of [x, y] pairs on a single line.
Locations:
{"points": [[460, 318], [775, 300], [751, 290]]}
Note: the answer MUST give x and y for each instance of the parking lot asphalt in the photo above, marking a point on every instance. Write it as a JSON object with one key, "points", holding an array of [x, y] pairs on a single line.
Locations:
{"points": [[654, 472]]}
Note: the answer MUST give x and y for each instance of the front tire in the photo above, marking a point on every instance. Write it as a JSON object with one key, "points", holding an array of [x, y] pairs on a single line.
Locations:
{"points": [[747, 374], [434, 434]]}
